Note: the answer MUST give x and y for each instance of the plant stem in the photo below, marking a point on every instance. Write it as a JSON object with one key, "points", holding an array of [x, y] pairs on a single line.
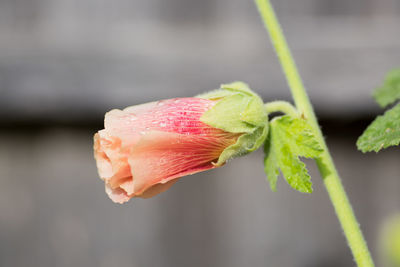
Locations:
{"points": [[281, 106], [325, 163]]}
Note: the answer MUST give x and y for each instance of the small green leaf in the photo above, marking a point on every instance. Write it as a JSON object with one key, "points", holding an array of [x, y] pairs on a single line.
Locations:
{"points": [[389, 92], [383, 132], [289, 139], [238, 110]]}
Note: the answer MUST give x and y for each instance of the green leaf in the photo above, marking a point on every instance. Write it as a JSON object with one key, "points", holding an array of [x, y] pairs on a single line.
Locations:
{"points": [[238, 110], [389, 92], [383, 132], [289, 139]]}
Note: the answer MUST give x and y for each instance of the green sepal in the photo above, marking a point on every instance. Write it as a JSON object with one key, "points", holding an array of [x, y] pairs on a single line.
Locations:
{"points": [[245, 144], [290, 138], [252, 114], [227, 114], [238, 110], [238, 87]]}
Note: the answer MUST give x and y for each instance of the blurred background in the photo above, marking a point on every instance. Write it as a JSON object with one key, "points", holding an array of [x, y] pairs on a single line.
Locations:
{"points": [[64, 63]]}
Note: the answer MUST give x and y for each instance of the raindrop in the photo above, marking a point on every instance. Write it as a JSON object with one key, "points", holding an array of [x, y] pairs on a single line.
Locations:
{"points": [[163, 124], [132, 117]]}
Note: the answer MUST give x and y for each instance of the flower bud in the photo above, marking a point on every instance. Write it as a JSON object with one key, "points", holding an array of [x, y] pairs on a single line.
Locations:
{"points": [[144, 149]]}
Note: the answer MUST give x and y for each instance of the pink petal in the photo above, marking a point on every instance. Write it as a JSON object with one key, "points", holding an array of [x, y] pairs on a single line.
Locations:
{"points": [[160, 157], [180, 115]]}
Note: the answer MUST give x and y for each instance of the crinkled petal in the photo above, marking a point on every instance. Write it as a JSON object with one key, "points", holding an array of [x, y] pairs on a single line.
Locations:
{"points": [[103, 163], [127, 186], [111, 158]]}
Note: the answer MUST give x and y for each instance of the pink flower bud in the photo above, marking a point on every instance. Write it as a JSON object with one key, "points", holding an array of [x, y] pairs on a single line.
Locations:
{"points": [[144, 149]]}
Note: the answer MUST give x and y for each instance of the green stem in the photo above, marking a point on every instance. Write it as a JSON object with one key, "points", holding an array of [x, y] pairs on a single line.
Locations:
{"points": [[325, 163], [281, 106]]}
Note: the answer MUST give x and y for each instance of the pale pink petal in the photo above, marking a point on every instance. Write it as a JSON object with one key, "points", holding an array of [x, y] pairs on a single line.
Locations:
{"points": [[140, 109], [127, 186], [128, 123], [123, 125], [117, 195]]}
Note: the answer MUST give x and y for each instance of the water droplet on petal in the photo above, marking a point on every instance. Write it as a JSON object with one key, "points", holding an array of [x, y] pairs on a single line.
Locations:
{"points": [[142, 133], [160, 103], [163, 124], [147, 128], [132, 117], [177, 101]]}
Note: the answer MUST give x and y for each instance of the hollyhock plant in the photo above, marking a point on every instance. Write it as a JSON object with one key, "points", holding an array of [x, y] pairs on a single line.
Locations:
{"points": [[144, 149]]}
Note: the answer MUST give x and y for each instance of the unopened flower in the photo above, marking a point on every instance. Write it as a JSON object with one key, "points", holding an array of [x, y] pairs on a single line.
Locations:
{"points": [[144, 149]]}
